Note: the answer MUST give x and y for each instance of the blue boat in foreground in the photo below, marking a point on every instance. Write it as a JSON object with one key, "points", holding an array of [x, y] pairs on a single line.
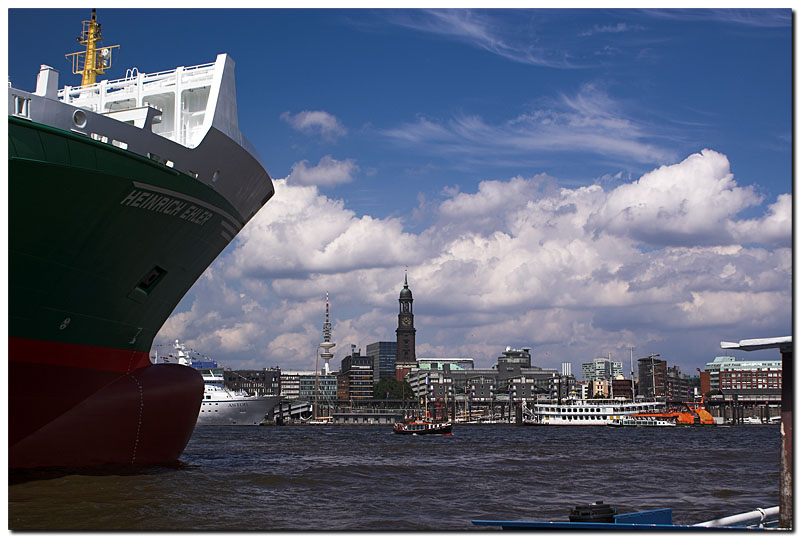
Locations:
{"points": [[602, 517]]}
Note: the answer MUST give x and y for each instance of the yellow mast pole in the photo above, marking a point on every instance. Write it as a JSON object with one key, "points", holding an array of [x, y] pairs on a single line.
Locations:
{"points": [[92, 37], [95, 59]]}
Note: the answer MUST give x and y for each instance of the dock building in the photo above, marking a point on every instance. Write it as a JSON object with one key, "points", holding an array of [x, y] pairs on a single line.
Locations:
{"points": [[290, 382], [729, 378], [711, 381], [455, 381], [326, 385]]}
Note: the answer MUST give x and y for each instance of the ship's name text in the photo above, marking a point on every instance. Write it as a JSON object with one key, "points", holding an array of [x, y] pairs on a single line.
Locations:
{"points": [[167, 205]]}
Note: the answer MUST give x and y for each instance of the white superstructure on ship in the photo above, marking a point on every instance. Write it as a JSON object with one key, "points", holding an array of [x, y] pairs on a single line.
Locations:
{"points": [[586, 412], [183, 119], [222, 406]]}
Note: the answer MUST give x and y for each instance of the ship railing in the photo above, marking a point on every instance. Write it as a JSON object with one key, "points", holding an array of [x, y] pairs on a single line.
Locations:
{"points": [[70, 94], [91, 95], [158, 75], [760, 517]]}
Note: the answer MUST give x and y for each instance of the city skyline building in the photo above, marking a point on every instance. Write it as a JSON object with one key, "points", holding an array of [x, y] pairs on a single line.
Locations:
{"points": [[652, 382], [729, 374], [384, 356], [515, 356], [355, 379], [601, 369]]}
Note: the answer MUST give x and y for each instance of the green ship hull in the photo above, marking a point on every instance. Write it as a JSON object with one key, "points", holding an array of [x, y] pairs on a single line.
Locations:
{"points": [[103, 244]]}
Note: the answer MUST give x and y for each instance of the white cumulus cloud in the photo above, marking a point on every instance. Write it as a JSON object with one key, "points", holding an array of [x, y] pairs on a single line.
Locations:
{"points": [[692, 202], [773, 228], [316, 122], [304, 232], [327, 172], [520, 262]]}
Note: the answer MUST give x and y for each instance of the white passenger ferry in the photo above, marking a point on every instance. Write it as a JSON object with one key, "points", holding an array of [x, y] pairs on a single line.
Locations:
{"points": [[586, 412], [222, 406]]}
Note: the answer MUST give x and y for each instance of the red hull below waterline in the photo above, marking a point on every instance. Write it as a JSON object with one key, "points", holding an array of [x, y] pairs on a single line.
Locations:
{"points": [[74, 414]]}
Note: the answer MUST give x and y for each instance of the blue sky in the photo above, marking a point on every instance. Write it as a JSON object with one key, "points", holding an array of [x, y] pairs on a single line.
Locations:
{"points": [[577, 181]]}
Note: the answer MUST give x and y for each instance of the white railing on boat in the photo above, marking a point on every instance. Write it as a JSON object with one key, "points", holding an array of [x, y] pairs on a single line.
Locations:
{"points": [[180, 94], [126, 81], [760, 517]]}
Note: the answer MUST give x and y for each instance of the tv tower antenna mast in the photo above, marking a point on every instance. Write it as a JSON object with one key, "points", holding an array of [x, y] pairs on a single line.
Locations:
{"points": [[326, 354], [326, 336]]}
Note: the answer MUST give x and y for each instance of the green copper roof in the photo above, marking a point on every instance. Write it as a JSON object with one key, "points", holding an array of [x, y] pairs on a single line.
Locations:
{"points": [[405, 293]]}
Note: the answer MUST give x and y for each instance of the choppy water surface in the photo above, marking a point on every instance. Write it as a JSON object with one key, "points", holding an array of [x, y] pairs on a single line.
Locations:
{"points": [[367, 478]]}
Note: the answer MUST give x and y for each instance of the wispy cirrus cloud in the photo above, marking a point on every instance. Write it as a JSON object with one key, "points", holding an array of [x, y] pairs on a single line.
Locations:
{"points": [[483, 30], [589, 121], [618, 28], [766, 18]]}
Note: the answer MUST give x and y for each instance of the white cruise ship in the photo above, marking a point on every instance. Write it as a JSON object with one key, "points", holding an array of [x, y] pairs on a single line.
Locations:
{"points": [[222, 406], [586, 412]]}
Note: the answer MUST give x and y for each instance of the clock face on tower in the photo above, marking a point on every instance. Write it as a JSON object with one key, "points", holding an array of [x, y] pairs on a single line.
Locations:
{"points": [[405, 321]]}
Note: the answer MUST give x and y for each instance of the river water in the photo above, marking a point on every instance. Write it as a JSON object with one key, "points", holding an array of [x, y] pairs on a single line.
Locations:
{"points": [[333, 478]]}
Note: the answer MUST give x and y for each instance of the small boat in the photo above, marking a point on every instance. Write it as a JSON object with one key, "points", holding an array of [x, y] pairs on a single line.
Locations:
{"points": [[423, 427], [646, 421]]}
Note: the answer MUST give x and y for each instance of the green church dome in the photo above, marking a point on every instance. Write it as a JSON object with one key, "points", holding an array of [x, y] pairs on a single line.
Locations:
{"points": [[405, 293]]}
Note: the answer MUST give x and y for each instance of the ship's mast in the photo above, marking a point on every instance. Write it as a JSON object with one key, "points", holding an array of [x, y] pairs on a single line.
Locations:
{"points": [[633, 383], [94, 60]]}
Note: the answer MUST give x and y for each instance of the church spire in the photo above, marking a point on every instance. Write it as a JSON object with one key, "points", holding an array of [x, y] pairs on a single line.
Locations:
{"points": [[405, 293]]}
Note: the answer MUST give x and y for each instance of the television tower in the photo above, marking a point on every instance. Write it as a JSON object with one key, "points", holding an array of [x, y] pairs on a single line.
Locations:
{"points": [[326, 335], [326, 354]]}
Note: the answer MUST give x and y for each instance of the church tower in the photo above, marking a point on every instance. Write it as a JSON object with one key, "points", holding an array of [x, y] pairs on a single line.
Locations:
{"points": [[406, 333]]}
